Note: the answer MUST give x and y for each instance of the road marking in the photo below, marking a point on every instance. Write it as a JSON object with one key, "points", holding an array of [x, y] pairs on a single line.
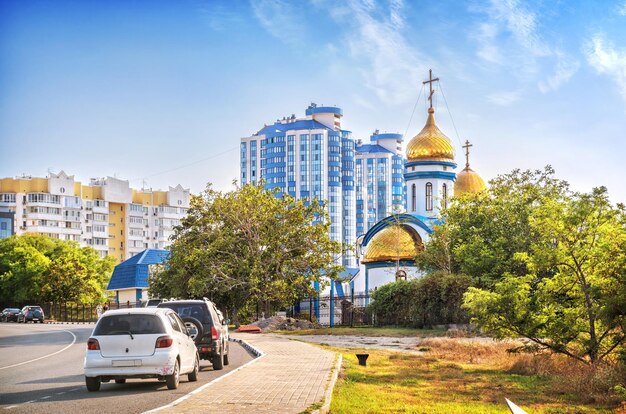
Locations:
{"points": [[45, 356], [10, 406], [61, 393], [245, 345], [46, 397], [75, 389]]}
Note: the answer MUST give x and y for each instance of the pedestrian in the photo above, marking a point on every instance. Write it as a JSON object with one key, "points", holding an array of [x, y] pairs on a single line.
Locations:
{"points": [[105, 307], [99, 310]]}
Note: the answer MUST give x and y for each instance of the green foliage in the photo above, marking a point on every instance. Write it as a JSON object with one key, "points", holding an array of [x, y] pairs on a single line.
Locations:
{"points": [[40, 268], [247, 247], [546, 263], [432, 300]]}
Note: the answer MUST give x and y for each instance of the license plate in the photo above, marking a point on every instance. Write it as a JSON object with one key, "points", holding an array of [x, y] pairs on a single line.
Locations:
{"points": [[126, 363]]}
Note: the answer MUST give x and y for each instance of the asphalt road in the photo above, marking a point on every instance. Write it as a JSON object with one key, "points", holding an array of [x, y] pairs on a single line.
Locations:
{"points": [[41, 371]]}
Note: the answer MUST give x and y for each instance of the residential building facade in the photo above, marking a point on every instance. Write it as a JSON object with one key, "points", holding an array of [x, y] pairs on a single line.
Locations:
{"points": [[379, 182], [308, 157], [106, 214]]}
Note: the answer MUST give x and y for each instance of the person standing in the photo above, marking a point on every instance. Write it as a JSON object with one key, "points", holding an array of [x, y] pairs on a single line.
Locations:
{"points": [[99, 310], [105, 307]]}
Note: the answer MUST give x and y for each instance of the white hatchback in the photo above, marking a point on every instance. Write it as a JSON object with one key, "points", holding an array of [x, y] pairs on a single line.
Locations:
{"points": [[140, 343]]}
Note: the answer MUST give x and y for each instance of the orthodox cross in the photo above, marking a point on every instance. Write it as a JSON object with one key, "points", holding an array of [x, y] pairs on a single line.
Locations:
{"points": [[467, 147], [430, 82]]}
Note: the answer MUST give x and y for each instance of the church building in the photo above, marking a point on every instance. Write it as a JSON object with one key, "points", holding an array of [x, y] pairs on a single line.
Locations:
{"points": [[387, 250]]}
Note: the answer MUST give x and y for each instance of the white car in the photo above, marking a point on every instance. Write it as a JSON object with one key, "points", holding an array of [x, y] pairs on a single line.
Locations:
{"points": [[140, 343]]}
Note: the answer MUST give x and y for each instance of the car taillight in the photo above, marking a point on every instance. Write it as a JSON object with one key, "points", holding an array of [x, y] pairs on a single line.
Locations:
{"points": [[215, 335], [93, 344], [164, 342]]}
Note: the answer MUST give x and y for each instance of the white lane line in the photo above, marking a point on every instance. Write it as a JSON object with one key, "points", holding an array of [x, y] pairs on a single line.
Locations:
{"points": [[75, 389], [10, 406], [45, 356], [46, 397], [61, 393], [202, 388]]}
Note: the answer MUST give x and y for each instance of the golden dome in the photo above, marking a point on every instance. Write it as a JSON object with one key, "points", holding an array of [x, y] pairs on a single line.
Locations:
{"points": [[468, 181], [430, 144], [392, 243]]}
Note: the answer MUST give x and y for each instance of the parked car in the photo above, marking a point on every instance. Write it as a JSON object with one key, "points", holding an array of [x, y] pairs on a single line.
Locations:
{"points": [[31, 314], [9, 315], [206, 328], [140, 343]]}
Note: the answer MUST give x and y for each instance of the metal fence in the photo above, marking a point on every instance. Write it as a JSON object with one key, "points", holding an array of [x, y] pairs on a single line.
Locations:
{"points": [[330, 310], [70, 311]]}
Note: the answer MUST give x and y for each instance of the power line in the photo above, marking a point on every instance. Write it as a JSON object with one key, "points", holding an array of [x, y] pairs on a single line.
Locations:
{"points": [[413, 113], [450, 113], [186, 165]]}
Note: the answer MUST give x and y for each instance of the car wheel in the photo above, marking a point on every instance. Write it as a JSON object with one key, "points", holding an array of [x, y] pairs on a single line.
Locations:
{"points": [[173, 380], [226, 355], [193, 375], [218, 361], [120, 381], [193, 326], [93, 383]]}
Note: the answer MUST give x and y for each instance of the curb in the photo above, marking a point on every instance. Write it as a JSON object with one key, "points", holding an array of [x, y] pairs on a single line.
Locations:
{"points": [[69, 323], [324, 409], [259, 354]]}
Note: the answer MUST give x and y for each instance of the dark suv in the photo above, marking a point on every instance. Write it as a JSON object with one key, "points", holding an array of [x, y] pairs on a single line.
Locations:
{"points": [[205, 327], [31, 313]]}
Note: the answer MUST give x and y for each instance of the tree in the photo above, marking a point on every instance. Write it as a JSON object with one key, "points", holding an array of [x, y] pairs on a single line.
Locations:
{"points": [[547, 264], [36, 267], [249, 246]]}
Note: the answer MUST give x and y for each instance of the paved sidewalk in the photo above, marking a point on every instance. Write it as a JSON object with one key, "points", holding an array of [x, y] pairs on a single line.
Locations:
{"points": [[289, 378]]}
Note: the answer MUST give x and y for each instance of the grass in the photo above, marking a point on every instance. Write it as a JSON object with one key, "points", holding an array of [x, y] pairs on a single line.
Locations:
{"points": [[369, 331], [451, 377]]}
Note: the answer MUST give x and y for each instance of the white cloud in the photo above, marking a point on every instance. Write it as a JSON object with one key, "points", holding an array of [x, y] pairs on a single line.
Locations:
{"points": [[280, 18], [608, 60], [505, 98], [622, 9], [391, 66], [565, 69]]}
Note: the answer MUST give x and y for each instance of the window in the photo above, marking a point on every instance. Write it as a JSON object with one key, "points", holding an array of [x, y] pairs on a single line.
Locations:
{"points": [[413, 198], [444, 196], [174, 322], [429, 196]]}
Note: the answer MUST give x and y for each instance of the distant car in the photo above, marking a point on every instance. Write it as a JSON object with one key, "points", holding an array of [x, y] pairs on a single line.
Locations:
{"points": [[31, 314], [140, 343], [9, 315], [207, 329]]}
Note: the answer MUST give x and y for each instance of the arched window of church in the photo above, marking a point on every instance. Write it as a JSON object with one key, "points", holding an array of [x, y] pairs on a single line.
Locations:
{"points": [[429, 196], [444, 196], [413, 199]]}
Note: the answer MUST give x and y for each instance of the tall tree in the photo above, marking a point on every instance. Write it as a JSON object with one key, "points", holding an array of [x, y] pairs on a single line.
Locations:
{"points": [[36, 267], [249, 246], [546, 263]]}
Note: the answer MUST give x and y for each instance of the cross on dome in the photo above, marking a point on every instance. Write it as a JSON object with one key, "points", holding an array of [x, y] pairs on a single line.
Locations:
{"points": [[430, 84], [467, 147]]}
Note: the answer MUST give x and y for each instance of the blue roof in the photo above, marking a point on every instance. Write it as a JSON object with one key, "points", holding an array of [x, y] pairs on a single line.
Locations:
{"points": [[349, 273], [371, 148], [424, 222], [133, 273], [302, 124]]}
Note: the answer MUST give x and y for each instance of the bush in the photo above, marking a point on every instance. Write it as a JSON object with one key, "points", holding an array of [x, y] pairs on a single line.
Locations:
{"points": [[432, 300]]}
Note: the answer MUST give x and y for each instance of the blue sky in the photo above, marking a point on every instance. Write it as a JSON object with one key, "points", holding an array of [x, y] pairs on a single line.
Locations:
{"points": [[162, 91]]}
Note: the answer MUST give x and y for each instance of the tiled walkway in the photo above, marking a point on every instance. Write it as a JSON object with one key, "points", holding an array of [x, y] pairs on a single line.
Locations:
{"points": [[289, 378]]}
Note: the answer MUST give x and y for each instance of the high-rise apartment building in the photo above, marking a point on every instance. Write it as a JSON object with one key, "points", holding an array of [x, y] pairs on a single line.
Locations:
{"points": [[379, 182], [308, 157], [106, 214]]}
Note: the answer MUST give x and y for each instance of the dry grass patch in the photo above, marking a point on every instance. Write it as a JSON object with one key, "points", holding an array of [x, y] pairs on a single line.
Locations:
{"points": [[370, 331], [457, 376]]}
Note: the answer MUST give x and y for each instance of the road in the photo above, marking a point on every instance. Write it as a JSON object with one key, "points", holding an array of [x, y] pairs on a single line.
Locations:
{"points": [[41, 371]]}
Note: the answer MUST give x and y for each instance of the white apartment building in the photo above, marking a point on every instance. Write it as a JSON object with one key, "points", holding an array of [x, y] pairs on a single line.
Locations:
{"points": [[106, 214]]}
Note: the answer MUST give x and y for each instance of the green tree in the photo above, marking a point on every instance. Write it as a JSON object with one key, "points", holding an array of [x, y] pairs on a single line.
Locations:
{"points": [[248, 246], [40, 268], [546, 263]]}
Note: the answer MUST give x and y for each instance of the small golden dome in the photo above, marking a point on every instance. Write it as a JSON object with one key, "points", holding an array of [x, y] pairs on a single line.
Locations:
{"points": [[430, 144], [468, 181], [393, 243]]}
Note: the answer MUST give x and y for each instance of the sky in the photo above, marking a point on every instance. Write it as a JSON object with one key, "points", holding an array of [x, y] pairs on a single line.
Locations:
{"points": [[160, 92]]}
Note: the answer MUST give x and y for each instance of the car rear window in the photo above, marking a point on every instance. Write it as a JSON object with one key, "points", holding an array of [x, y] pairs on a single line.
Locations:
{"points": [[135, 324], [195, 310]]}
